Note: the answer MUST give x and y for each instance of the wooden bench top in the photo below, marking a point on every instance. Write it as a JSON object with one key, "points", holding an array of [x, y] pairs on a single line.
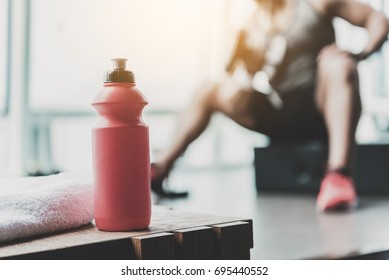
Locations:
{"points": [[171, 235]]}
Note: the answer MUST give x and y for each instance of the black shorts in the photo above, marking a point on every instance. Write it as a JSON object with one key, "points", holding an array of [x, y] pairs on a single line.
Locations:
{"points": [[298, 120]]}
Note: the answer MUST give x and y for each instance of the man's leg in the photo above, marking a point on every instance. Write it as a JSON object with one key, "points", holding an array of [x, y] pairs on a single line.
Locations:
{"points": [[339, 101], [226, 97]]}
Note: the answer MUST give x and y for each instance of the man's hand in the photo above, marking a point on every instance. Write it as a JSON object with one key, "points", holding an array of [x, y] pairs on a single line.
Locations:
{"points": [[359, 56]]}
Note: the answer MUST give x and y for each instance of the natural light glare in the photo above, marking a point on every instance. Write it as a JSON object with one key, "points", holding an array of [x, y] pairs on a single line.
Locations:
{"points": [[169, 46]]}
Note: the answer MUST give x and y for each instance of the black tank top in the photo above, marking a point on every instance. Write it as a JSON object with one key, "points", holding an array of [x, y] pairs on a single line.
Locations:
{"points": [[308, 34]]}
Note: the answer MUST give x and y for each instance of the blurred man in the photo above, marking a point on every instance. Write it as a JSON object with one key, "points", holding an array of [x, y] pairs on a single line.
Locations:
{"points": [[300, 86]]}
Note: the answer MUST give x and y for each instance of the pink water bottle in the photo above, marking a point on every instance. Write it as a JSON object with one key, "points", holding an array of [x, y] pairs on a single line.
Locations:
{"points": [[121, 159]]}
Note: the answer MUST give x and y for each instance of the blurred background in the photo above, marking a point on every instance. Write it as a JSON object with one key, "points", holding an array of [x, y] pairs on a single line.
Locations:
{"points": [[53, 55]]}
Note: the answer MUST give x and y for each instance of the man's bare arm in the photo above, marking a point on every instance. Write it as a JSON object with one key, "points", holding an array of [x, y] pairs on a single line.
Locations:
{"points": [[362, 15]]}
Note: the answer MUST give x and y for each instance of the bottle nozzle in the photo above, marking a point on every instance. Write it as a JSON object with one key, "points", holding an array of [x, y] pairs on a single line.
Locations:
{"points": [[119, 74], [119, 63]]}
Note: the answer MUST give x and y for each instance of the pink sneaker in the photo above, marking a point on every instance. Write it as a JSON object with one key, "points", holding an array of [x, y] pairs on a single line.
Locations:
{"points": [[337, 192]]}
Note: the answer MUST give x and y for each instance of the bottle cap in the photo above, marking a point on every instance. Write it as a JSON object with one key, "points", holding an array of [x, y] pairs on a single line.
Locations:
{"points": [[119, 74]]}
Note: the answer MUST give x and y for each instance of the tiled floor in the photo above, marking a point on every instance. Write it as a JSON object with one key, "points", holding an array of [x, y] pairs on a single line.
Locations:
{"points": [[286, 226]]}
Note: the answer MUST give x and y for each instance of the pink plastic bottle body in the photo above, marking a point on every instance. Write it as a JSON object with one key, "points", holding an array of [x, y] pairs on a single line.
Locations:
{"points": [[122, 200]]}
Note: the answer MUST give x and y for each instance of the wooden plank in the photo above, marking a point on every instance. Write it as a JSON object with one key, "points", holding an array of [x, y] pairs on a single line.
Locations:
{"points": [[195, 243], [163, 220], [251, 232], [233, 240], [113, 250], [159, 246]]}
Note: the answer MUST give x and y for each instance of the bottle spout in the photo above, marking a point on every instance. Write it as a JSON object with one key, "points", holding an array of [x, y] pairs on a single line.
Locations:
{"points": [[119, 63], [119, 74]]}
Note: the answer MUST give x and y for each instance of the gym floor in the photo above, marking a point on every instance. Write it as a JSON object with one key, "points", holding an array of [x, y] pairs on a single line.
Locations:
{"points": [[286, 226]]}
